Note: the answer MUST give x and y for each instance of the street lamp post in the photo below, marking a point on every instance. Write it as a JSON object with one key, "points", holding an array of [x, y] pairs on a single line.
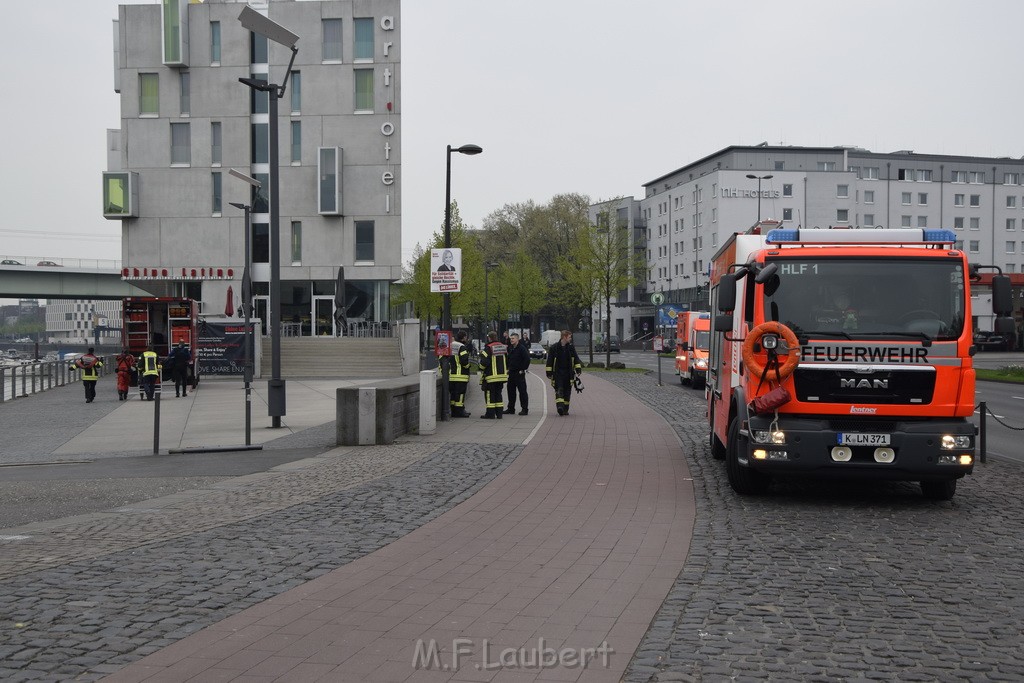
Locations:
{"points": [[446, 297], [759, 178], [247, 360], [257, 23]]}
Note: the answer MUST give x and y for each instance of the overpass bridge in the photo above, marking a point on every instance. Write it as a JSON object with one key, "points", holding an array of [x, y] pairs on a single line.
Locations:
{"points": [[43, 278]]}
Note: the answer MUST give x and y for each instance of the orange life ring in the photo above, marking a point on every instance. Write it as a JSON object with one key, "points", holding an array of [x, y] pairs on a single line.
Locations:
{"points": [[771, 327]]}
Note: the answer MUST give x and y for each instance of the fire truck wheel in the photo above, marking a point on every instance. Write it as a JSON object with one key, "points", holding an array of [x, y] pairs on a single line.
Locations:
{"points": [[744, 480], [944, 489], [754, 366]]}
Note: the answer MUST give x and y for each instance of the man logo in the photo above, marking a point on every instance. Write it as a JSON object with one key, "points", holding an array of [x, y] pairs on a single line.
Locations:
{"points": [[864, 383]]}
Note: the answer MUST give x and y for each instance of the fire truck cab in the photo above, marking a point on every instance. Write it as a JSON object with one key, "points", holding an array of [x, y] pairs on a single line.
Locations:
{"points": [[844, 353]]}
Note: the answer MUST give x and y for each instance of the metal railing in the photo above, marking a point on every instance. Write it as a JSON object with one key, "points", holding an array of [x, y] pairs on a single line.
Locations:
{"points": [[31, 377]]}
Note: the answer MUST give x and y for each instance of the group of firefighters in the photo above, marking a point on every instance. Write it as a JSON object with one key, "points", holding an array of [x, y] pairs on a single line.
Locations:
{"points": [[145, 370], [502, 363]]}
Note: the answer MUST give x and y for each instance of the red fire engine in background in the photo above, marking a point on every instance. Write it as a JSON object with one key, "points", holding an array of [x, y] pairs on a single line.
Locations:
{"points": [[160, 322]]}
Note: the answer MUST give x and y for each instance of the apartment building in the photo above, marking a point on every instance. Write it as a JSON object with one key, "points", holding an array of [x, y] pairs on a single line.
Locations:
{"points": [[187, 120]]}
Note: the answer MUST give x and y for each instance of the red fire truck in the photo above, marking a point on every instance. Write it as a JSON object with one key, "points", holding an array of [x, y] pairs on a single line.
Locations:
{"points": [[845, 353], [160, 322], [693, 332]]}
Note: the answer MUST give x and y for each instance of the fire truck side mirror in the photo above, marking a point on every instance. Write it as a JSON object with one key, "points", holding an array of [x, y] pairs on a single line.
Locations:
{"points": [[1002, 298], [727, 293], [723, 323]]}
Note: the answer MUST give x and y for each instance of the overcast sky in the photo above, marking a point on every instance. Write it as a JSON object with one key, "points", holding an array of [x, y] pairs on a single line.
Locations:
{"points": [[588, 96]]}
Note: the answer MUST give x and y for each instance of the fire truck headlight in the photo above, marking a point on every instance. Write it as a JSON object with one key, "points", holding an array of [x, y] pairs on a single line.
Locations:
{"points": [[760, 454], [966, 459], [954, 441], [768, 436], [770, 341], [701, 364]]}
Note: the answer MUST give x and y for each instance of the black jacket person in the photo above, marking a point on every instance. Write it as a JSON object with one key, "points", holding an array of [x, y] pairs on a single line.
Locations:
{"points": [[562, 366], [518, 364]]}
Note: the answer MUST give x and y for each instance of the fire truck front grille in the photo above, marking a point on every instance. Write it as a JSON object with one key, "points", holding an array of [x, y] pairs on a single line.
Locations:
{"points": [[878, 386]]}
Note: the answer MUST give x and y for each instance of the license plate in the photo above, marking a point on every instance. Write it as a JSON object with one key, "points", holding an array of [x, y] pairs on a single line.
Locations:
{"points": [[863, 439]]}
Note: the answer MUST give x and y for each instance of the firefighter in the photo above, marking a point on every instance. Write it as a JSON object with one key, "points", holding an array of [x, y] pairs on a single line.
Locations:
{"points": [[562, 367], [89, 365], [149, 373], [178, 360], [125, 368], [458, 377], [493, 374], [518, 362]]}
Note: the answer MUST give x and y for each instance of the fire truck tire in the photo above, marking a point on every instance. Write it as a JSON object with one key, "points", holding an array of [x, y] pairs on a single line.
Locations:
{"points": [[744, 480], [943, 489], [754, 366]]}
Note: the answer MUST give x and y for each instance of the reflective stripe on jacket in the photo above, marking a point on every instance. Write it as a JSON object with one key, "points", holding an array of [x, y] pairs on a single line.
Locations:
{"points": [[89, 365], [493, 365], [460, 363], [149, 363]]}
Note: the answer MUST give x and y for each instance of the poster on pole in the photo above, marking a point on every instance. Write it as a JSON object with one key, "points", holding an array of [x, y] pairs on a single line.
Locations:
{"points": [[446, 270]]}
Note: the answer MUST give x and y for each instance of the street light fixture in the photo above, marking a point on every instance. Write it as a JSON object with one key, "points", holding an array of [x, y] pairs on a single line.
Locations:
{"points": [[759, 178], [446, 297], [247, 304], [253, 21]]}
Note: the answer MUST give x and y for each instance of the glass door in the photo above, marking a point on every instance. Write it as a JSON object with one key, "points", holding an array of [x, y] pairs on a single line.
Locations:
{"points": [[261, 308], [323, 316]]}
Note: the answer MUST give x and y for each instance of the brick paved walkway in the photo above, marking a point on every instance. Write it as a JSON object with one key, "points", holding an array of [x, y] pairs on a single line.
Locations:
{"points": [[566, 555]]}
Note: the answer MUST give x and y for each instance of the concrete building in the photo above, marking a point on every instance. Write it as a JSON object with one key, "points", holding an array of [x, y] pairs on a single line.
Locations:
{"points": [[186, 120], [80, 321], [687, 214]]}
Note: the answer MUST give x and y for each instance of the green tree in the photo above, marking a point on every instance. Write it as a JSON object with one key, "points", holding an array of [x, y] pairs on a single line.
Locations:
{"points": [[522, 285]]}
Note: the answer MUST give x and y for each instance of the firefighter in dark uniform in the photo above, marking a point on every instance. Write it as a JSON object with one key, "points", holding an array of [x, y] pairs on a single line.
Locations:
{"points": [[562, 367], [518, 363], [458, 377], [493, 375]]}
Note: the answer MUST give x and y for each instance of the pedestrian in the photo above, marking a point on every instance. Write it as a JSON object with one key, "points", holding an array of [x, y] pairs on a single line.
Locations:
{"points": [[89, 365], [493, 374], [125, 367], [562, 367], [149, 373], [518, 363], [458, 377], [178, 360]]}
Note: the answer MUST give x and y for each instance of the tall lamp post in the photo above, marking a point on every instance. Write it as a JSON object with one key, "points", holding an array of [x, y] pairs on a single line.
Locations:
{"points": [[247, 304], [257, 23], [446, 306], [759, 178]]}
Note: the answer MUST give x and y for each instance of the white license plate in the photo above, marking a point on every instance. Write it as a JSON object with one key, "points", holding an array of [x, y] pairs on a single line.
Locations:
{"points": [[863, 439]]}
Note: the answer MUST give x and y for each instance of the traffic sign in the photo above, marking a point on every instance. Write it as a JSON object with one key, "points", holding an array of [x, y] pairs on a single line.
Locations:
{"points": [[657, 298]]}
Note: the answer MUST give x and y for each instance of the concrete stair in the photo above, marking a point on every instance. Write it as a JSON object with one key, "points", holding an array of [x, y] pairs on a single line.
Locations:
{"points": [[345, 357]]}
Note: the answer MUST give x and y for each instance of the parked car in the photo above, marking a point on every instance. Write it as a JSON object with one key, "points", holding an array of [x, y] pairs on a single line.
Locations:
{"points": [[990, 341], [11, 262], [536, 350], [51, 264]]}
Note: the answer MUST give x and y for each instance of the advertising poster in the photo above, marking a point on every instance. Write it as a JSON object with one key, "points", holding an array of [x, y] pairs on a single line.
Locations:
{"points": [[446, 270], [221, 347]]}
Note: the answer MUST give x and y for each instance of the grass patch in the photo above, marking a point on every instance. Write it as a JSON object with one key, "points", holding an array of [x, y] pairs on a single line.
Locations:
{"points": [[1008, 373], [602, 368]]}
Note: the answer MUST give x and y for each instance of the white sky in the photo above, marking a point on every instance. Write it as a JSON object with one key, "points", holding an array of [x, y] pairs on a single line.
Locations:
{"points": [[588, 96]]}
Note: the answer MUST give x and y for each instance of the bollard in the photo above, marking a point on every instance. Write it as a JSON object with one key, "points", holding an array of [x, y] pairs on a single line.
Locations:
{"points": [[156, 419], [428, 401], [981, 443]]}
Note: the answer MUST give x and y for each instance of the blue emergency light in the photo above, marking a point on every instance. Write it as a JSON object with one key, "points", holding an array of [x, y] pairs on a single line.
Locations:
{"points": [[862, 236]]}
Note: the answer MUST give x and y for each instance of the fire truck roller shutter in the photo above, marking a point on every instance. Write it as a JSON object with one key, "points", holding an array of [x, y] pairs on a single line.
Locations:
{"points": [[754, 365]]}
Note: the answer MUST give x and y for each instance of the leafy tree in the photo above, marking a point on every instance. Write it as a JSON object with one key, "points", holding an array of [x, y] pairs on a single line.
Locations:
{"points": [[522, 285]]}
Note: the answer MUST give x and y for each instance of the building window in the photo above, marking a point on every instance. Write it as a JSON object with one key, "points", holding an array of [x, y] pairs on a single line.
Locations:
{"points": [[214, 43], [976, 177], [296, 142], [869, 219], [185, 99], [259, 100], [1011, 247], [958, 200], [975, 246], [843, 215], [922, 199], [329, 201], [261, 143], [296, 243], [296, 91], [826, 165], [779, 166], [905, 174], [261, 242], [975, 224], [257, 48], [959, 244], [364, 240], [364, 39], [216, 178], [331, 40], [260, 199], [870, 173], [905, 198], [924, 176], [958, 223], [922, 221], [869, 196], [1011, 224], [905, 221], [975, 200], [958, 177], [842, 191], [364, 90], [1011, 202], [216, 143], [787, 189], [173, 14], [149, 94], [1011, 179], [181, 144]]}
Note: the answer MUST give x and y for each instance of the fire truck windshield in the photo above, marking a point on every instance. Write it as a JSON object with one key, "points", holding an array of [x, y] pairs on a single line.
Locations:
{"points": [[850, 297], [701, 340]]}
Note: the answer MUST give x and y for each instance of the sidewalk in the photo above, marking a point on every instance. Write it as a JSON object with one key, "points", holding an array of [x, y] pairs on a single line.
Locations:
{"points": [[570, 551]]}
